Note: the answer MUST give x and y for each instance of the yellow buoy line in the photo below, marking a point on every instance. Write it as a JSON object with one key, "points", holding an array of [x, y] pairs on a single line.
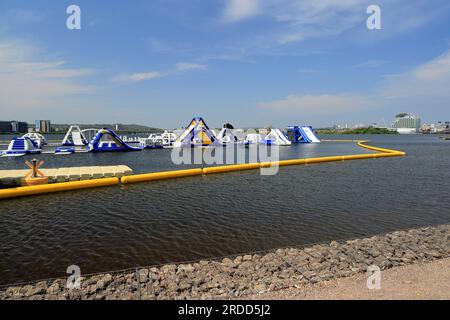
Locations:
{"points": [[156, 176], [56, 187]]}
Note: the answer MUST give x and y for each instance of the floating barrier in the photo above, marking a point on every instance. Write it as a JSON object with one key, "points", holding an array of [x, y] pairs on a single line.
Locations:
{"points": [[282, 163], [34, 190], [161, 176], [57, 187], [230, 168], [324, 159], [362, 144], [259, 165]]}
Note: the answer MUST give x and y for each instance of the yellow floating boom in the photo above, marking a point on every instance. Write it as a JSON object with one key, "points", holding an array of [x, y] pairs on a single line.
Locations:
{"points": [[259, 165], [230, 168], [161, 176], [57, 187]]}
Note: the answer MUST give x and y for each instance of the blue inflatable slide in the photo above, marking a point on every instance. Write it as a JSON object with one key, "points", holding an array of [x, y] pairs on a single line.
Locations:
{"points": [[304, 134], [107, 140]]}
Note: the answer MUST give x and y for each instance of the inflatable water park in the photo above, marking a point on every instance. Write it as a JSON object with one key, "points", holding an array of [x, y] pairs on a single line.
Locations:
{"points": [[36, 181], [196, 134]]}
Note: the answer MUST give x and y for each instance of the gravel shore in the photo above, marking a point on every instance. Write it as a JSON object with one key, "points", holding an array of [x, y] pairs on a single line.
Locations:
{"points": [[250, 275], [421, 281]]}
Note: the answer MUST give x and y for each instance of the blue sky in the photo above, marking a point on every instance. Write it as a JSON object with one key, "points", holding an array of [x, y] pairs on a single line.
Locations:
{"points": [[247, 62]]}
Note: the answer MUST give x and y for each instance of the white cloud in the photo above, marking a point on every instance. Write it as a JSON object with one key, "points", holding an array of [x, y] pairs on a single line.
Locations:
{"points": [[137, 77], [27, 81], [145, 76], [319, 104], [431, 79], [299, 20], [315, 18], [422, 90], [237, 10], [183, 66]]}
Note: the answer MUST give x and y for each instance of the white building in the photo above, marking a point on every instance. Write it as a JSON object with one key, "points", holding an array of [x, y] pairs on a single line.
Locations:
{"points": [[406, 123]]}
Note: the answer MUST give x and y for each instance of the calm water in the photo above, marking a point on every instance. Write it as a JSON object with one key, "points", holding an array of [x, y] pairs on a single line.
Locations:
{"points": [[144, 224]]}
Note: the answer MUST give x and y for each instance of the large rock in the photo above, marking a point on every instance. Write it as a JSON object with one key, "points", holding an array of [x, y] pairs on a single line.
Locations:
{"points": [[54, 288]]}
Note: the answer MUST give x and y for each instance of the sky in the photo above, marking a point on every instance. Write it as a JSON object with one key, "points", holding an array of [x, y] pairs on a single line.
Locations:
{"points": [[251, 63]]}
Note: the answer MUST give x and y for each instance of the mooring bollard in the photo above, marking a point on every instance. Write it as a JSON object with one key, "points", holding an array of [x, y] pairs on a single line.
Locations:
{"points": [[34, 176]]}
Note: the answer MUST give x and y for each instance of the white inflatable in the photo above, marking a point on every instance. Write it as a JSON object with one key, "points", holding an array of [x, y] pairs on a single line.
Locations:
{"points": [[227, 136], [277, 137], [310, 134], [74, 137], [197, 134], [37, 138]]}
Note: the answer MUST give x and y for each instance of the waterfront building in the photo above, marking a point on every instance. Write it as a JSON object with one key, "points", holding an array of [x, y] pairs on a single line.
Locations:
{"points": [[440, 127], [18, 126], [43, 126], [5, 127], [406, 123], [13, 126]]}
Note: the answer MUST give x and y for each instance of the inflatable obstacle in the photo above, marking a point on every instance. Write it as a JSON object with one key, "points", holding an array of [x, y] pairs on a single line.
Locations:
{"points": [[64, 151], [38, 139], [253, 138], [302, 134], [20, 147], [74, 138], [107, 140], [226, 136], [277, 137], [197, 134]]}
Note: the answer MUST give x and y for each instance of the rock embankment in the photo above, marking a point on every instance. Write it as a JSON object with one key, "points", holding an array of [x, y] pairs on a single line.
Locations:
{"points": [[241, 276]]}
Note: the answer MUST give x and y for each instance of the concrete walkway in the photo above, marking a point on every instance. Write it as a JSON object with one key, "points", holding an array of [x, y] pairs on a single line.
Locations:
{"points": [[13, 178], [413, 282]]}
